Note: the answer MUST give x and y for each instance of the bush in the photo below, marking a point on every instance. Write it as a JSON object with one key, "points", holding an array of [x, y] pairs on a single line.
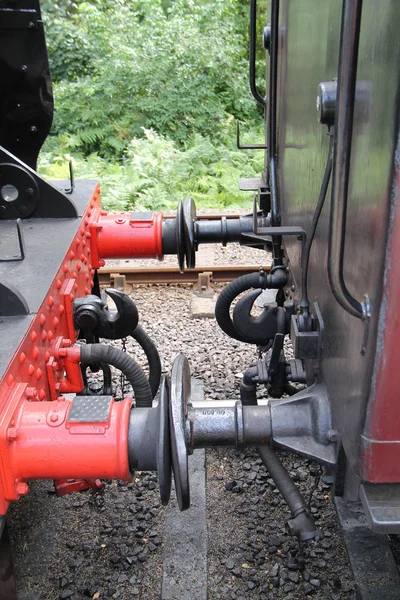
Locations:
{"points": [[156, 173], [178, 67]]}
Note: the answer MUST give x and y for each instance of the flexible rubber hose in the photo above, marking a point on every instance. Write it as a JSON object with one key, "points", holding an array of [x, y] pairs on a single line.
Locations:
{"points": [[274, 280], [153, 358], [97, 353]]}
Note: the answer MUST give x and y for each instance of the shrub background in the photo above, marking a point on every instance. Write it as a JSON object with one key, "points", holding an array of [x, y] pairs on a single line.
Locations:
{"points": [[147, 93]]}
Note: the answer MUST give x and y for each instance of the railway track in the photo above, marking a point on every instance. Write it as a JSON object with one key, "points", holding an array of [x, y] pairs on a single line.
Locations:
{"points": [[158, 275]]}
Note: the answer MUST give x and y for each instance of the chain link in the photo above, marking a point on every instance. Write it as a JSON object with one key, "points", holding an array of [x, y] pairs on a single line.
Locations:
{"points": [[122, 380]]}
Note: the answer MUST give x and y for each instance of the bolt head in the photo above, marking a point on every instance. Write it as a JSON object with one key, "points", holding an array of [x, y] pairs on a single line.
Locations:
{"points": [[267, 37], [12, 434], [22, 488], [290, 527], [326, 102]]}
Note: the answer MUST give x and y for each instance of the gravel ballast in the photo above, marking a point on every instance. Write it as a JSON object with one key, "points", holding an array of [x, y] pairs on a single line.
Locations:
{"points": [[111, 545]]}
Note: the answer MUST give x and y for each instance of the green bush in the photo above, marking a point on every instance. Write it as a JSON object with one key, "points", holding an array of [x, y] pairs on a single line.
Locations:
{"points": [[146, 94], [178, 67], [157, 173]]}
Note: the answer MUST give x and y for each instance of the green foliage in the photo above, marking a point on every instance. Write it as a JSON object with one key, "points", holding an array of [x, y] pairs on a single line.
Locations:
{"points": [[178, 67], [146, 93], [157, 173]]}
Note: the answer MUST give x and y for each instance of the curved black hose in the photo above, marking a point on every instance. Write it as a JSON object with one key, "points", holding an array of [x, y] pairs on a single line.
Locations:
{"points": [[302, 524], [315, 219], [261, 280], [97, 353], [153, 358]]}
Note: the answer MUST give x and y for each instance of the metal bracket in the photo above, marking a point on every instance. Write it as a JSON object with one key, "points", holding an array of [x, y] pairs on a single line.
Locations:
{"points": [[23, 193], [308, 344], [21, 244], [18, 19], [247, 146], [203, 286], [302, 423], [71, 179], [12, 303]]}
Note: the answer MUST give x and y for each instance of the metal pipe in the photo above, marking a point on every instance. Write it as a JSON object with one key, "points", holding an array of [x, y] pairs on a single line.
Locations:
{"points": [[223, 230], [272, 132], [349, 42], [228, 426], [252, 52], [302, 524]]}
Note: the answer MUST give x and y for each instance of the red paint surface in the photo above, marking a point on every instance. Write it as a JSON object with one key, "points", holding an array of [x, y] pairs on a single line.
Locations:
{"points": [[380, 452], [33, 442], [121, 236], [47, 446]]}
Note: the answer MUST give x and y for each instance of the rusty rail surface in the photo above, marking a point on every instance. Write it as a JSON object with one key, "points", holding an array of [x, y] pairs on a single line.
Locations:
{"points": [[159, 275]]}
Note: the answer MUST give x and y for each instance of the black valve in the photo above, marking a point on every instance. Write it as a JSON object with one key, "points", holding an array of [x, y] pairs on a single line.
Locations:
{"points": [[94, 318]]}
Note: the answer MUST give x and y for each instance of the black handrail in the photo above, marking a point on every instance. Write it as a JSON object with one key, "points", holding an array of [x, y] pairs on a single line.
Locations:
{"points": [[272, 133], [253, 47], [349, 42]]}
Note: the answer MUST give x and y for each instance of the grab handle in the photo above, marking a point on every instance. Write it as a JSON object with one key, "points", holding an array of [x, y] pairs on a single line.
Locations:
{"points": [[252, 53]]}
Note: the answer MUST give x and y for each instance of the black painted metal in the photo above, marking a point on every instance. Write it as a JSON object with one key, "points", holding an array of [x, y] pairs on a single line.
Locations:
{"points": [[26, 99], [241, 146], [259, 329], [47, 242], [347, 77], [12, 303], [93, 316], [302, 150], [272, 133], [18, 251], [253, 51], [35, 197]]}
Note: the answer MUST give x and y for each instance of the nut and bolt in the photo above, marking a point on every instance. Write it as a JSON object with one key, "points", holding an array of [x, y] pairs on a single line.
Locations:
{"points": [[22, 488], [326, 102], [267, 37], [12, 434]]}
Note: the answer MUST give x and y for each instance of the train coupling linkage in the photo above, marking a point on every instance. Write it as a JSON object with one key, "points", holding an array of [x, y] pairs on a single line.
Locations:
{"points": [[162, 438]]}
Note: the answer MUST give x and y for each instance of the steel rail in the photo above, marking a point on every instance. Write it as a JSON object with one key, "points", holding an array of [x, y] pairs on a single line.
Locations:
{"points": [[165, 275]]}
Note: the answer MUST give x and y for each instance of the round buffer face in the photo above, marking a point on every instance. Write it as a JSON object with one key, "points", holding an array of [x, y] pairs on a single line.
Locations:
{"points": [[179, 398], [164, 467]]}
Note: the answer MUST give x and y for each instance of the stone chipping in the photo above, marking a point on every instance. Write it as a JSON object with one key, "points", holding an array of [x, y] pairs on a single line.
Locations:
{"points": [[110, 545]]}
